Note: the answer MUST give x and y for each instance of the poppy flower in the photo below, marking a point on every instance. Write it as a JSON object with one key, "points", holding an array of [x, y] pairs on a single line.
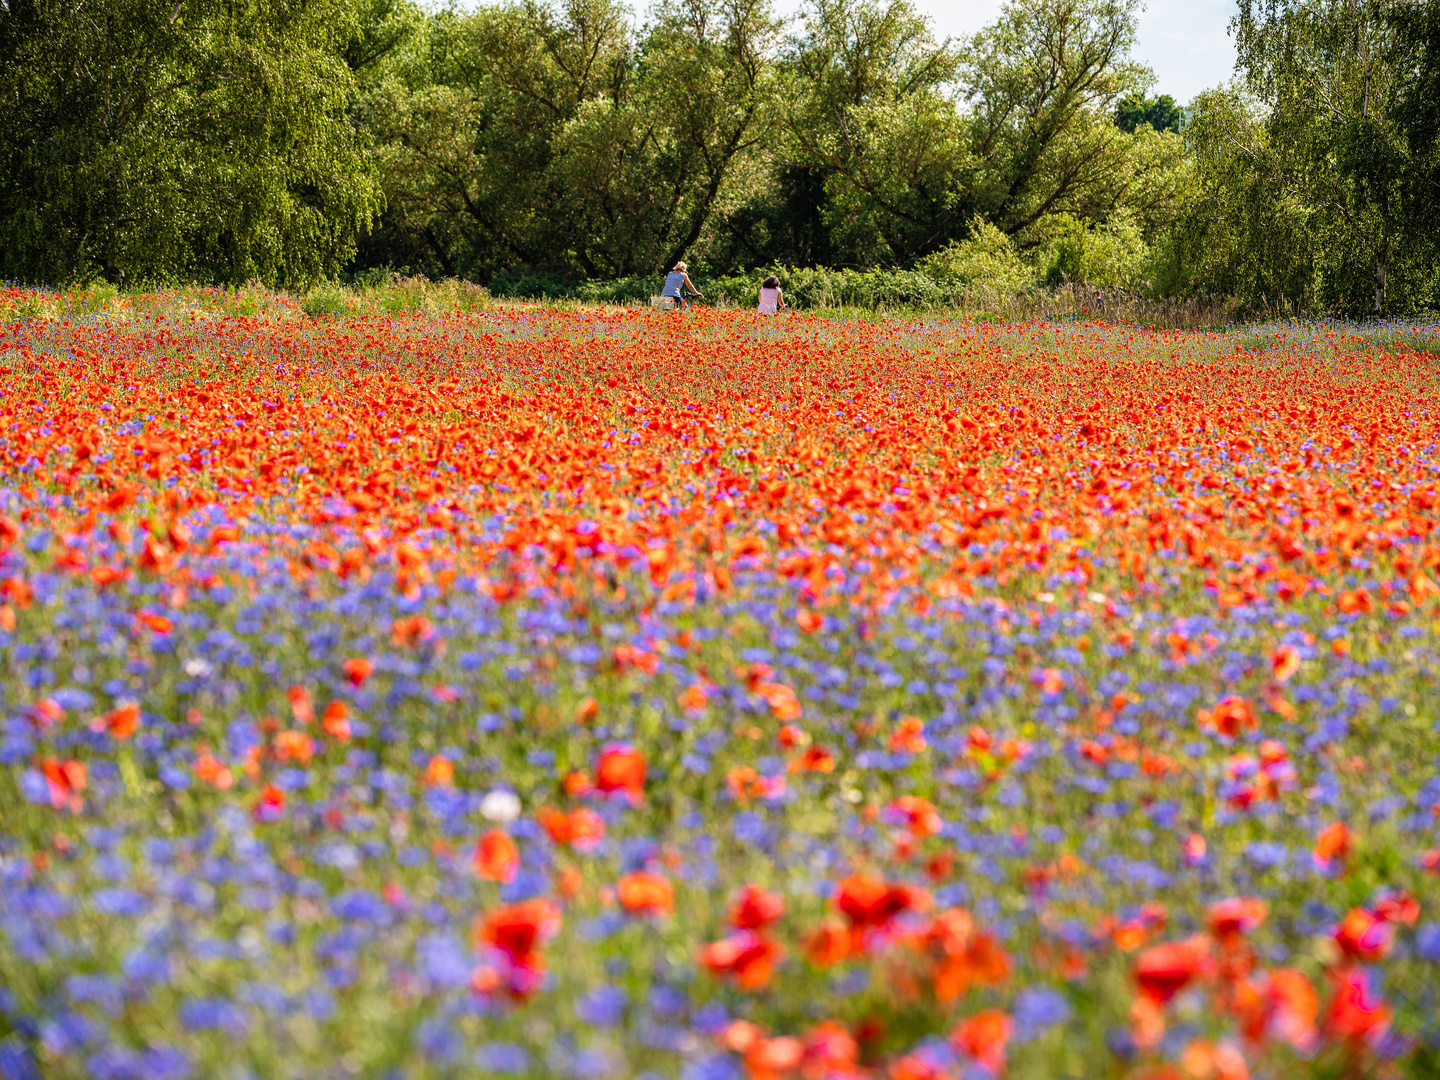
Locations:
{"points": [[908, 736], [300, 704], [755, 909], [1365, 935], [496, 856], [917, 814], [66, 781], [1194, 849], [160, 624], [694, 698], [982, 1037], [581, 828], [336, 721], [1232, 919], [270, 806], [294, 746], [1397, 906], [121, 722], [357, 670], [868, 902], [1233, 716], [1214, 1061], [1356, 1011], [747, 957], [829, 1050], [830, 943], [1291, 1007], [644, 893], [781, 699], [1162, 971], [439, 772], [1285, 662], [814, 758], [622, 768], [1332, 844], [210, 770], [517, 931], [773, 1058]]}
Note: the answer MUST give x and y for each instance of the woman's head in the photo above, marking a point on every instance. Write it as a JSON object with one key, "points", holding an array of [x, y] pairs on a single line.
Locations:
{"points": [[771, 282], [680, 268]]}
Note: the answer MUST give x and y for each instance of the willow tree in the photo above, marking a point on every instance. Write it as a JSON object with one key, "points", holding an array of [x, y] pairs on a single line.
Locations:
{"points": [[560, 136], [1331, 90], [162, 140]]}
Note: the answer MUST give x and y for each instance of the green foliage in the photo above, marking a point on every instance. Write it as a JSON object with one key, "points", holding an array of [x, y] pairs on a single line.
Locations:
{"points": [[204, 141], [1045, 144], [528, 136], [327, 298], [1244, 233], [561, 142], [1306, 177], [1114, 254], [1161, 114], [987, 258], [559, 149]]}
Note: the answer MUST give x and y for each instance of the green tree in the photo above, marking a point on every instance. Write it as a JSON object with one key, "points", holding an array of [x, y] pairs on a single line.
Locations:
{"points": [[1417, 108], [161, 140], [866, 107], [1162, 114], [917, 139], [1246, 229], [1329, 83], [529, 135], [655, 174], [1043, 83]]}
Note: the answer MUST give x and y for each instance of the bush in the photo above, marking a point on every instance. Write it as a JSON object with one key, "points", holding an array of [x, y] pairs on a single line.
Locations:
{"points": [[327, 298], [1113, 255], [988, 259]]}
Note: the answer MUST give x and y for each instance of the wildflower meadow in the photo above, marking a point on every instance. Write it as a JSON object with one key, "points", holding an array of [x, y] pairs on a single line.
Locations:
{"points": [[612, 694]]}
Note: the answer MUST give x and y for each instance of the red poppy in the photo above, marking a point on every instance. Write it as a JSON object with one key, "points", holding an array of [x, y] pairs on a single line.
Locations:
{"points": [[644, 893], [755, 909], [982, 1037], [496, 856], [1162, 971], [622, 768]]}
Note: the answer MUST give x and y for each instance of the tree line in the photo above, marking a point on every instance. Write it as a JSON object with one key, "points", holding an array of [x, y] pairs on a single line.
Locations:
{"points": [[151, 141]]}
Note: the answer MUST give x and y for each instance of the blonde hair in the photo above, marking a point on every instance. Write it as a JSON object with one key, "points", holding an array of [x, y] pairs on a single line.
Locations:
{"points": [[680, 268]]}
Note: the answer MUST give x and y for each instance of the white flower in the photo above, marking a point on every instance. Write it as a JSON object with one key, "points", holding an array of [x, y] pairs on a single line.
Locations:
{"points": [[197, 667], [500, 806]]}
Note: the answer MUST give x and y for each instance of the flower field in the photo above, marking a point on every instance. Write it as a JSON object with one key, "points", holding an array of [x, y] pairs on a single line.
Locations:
{"points": [[561, 694]]}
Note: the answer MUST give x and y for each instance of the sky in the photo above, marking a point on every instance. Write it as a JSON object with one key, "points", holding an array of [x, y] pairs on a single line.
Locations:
{"points": [[1183, 41]]}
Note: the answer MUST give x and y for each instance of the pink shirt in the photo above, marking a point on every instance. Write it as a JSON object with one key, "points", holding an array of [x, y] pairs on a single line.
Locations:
{"points": [[769, 301]]}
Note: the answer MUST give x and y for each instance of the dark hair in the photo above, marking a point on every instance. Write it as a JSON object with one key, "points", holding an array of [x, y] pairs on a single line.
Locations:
{"points": [[771, 282]]}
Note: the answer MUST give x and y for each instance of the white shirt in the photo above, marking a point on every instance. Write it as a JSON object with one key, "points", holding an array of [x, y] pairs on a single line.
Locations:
{"points": [[769, 301]]}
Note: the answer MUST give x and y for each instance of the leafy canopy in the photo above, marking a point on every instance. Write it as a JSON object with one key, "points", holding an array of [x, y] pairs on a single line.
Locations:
{"points": [[203, 140]]}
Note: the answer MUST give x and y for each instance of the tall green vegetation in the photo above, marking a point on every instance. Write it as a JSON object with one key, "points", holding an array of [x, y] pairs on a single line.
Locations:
{"points": [[523, 134], [150, 140], [560, 140], [1316, 168], [564, 138]]}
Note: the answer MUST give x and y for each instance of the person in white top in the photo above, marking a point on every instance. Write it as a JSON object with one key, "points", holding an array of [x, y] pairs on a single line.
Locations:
{"points": [[677, 283], [772, 300]]}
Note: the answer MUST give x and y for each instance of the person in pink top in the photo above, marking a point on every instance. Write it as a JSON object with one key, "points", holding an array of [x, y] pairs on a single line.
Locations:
{"points": [[772, 300]]}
